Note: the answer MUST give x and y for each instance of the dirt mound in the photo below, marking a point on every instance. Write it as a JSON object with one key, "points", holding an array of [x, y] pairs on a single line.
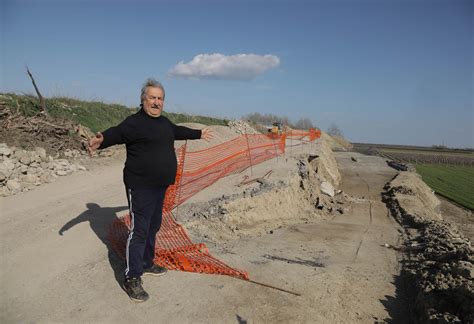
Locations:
{"points": [[336, 143], [221, 134], [438, 265]]}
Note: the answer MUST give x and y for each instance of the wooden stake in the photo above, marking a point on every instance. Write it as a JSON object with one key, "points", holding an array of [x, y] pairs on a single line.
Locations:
{"points": [[43, 104], [273, 287]]}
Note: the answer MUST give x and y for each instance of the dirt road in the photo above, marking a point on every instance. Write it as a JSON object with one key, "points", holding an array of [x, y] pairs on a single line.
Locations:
{"points": [[339, 265]]}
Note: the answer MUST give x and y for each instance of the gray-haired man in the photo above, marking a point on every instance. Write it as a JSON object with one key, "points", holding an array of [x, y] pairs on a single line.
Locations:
{"points": [[149, 169]]}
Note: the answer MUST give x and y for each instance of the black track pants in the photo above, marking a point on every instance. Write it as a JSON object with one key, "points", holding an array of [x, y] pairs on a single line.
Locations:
{"points": [[146, 206]]}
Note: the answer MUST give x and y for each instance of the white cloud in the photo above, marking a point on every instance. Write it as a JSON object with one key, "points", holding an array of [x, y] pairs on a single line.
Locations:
{"points": [[222, 67]]}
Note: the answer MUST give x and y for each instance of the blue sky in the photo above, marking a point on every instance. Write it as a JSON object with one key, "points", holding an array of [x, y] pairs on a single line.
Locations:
{"points": [[396, 72]]}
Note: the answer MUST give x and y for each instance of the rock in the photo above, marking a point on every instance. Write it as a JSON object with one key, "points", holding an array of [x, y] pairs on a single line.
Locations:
{"points": [[465, 269], [4, 192], [62, 172], [62, 162], [41, 153], [7, 164], [51, 165], [14, 185], [68, 153], [25, 159], [106, 153], [3, 177], [302, 170], [6, 172], [29, 178], [47, 177], [33, 170], [82, 168], [23, 169], [5, 151], [35, 158], [327, 188], [22, 156]]}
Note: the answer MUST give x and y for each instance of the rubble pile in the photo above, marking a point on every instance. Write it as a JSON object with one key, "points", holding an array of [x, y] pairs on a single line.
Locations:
{"points": [[242, 127], [439, 261], [22, 170]]}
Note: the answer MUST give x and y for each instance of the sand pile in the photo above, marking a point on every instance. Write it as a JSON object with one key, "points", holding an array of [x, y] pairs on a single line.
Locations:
{"points": [[221, 134], [439, 260], [336, 143]]}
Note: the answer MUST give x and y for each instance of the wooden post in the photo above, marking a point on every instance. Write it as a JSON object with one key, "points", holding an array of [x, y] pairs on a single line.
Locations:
{"points": [[250, 156], [42, 103]]}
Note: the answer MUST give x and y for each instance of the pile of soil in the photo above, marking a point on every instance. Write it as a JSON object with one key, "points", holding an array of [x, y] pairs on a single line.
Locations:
{"points": [[438, 265], [336, 143], [221, 134]]}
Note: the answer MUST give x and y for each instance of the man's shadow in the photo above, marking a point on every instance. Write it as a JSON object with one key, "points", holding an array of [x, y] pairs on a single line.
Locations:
{"points": [[100, 219]]}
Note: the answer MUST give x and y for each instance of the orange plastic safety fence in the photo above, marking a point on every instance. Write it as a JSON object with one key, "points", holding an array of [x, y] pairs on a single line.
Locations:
{"points": [[312, 134], [196, 171]]}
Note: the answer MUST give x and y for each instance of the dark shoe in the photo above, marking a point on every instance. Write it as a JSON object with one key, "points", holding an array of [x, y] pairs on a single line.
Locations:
{"points": [[133, 287], [155, 270]]}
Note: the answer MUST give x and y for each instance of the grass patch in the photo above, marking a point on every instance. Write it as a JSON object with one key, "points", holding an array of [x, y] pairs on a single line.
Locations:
{"points": [[95, 115], [454, 182]]}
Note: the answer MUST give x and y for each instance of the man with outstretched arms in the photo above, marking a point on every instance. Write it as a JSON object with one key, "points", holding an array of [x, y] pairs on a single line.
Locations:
{"points": [[149, 169]]}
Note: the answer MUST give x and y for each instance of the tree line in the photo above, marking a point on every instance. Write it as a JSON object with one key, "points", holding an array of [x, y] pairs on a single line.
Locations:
{"points": [[302, 123], [269, 119]]}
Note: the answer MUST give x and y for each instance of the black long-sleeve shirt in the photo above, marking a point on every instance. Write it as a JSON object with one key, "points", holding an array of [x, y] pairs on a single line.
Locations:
{"points": [[151, 158]]}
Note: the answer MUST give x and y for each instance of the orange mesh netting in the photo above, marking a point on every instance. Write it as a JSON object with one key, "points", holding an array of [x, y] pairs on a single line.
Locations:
{"points": [[312, 134], [196, 171]]}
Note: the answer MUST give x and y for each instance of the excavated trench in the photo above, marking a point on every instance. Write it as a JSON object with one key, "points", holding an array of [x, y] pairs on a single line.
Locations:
{"points": [[437, 265]]}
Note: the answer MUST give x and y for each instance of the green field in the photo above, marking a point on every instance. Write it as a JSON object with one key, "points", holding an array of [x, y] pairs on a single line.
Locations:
{"points": [[454, 182]]}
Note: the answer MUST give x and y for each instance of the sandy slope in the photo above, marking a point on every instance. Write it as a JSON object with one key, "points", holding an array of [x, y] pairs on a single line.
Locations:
{"points": [[338, 263]]}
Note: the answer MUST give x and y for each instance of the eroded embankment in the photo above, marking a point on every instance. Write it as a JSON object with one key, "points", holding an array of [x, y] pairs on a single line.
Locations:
{"points": [[306, 192], [438, 260]]}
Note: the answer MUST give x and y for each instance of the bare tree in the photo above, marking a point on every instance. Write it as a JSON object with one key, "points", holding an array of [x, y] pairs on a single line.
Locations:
{"points": [[267, 118], [334, 130], [304, 123]]}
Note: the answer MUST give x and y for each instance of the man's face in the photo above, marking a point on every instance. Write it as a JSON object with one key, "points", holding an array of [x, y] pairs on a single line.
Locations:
{"points": [[153, 101]]}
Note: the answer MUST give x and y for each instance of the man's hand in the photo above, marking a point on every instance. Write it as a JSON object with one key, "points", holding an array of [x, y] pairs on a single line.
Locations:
{"points": [[95, 143], [207, 134]]}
